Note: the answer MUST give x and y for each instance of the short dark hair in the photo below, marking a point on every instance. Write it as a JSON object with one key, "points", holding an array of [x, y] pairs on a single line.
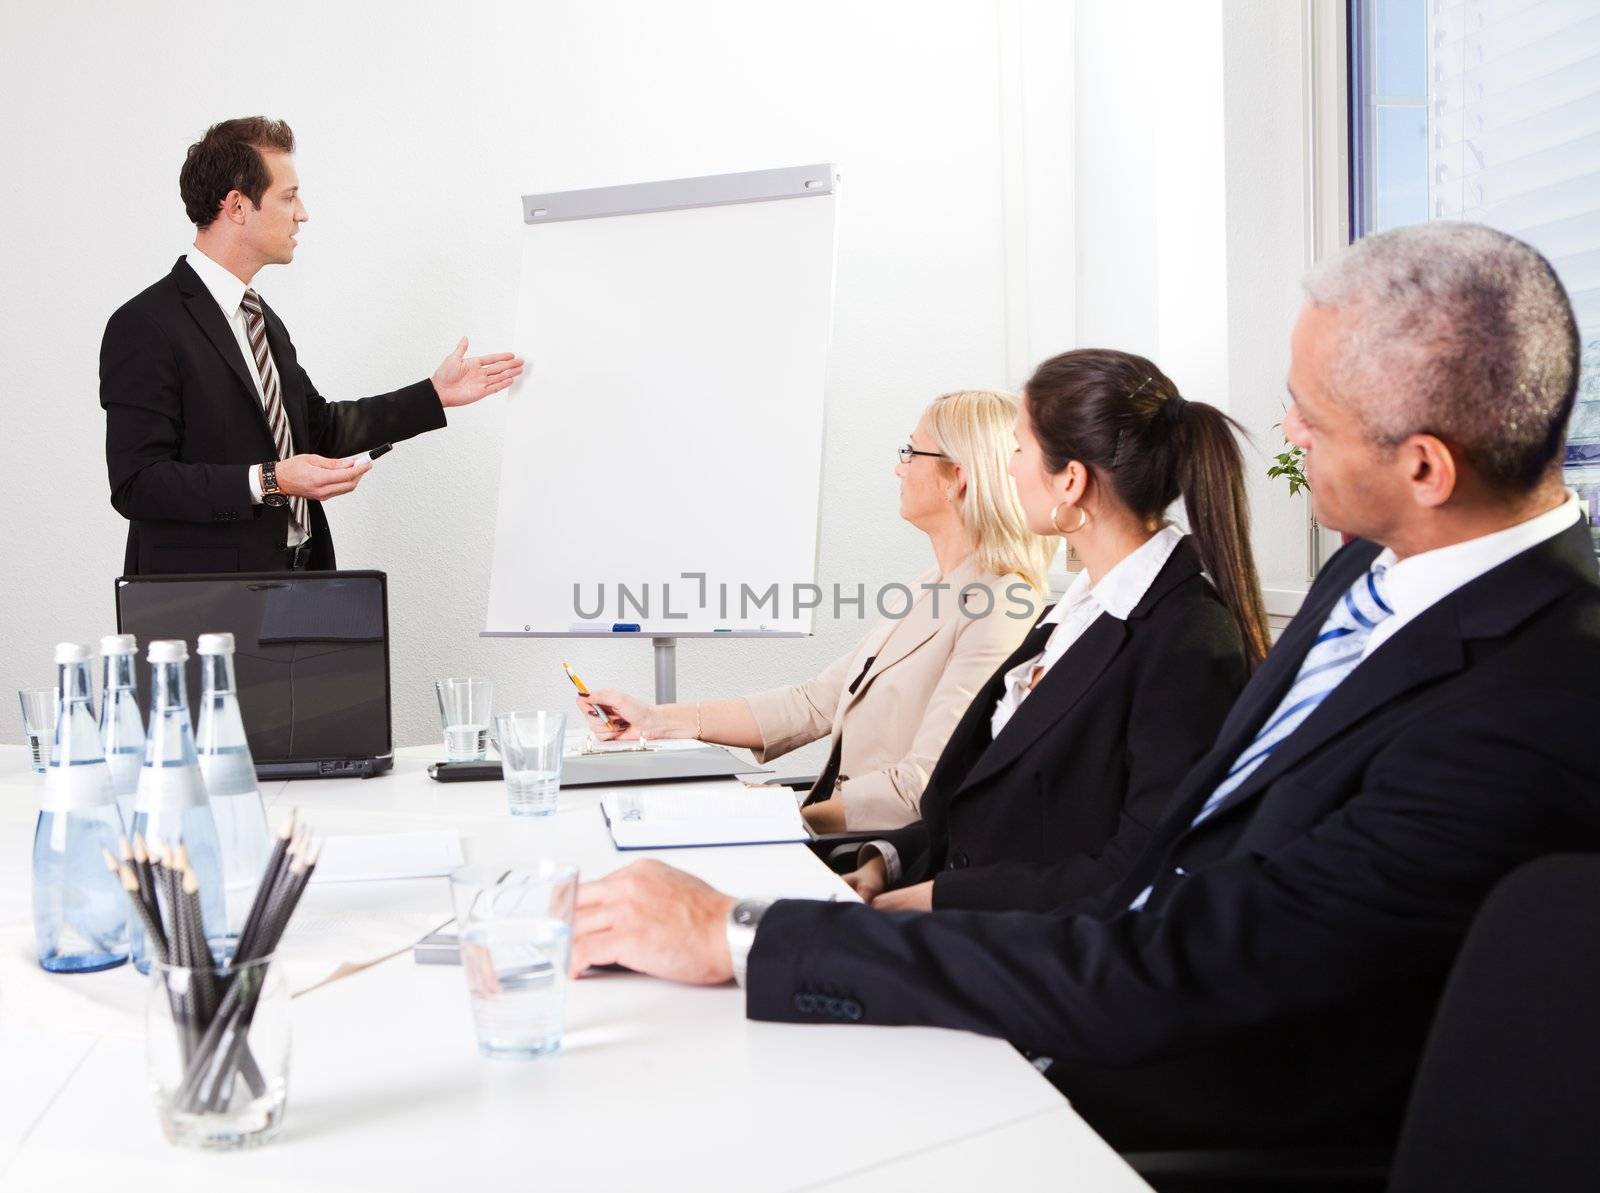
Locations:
{"points": [[228, 158], [1124, 420]]}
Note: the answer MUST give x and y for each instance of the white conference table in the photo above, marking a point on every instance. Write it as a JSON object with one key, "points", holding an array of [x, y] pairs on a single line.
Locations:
{"points": [[657, 1085]]}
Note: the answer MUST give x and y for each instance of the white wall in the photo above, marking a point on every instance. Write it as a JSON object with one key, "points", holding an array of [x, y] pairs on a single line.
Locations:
{"points": [[419, 125], [1191, 231]]}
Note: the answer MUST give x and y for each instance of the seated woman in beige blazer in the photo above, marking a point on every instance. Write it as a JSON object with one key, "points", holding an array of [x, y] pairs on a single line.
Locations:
{"points": [[889, 705]]}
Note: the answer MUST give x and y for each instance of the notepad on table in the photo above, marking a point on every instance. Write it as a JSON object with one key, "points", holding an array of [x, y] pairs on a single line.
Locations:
{"points": [[378, 856], [698, 814]]}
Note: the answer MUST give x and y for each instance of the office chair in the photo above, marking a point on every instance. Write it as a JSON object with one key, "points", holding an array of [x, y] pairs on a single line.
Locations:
{"points": [[1507, 1095]]}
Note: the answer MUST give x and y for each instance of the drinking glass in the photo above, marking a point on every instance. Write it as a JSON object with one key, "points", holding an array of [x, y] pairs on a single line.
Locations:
{"points": [[530, 758], [217, 1053], [515, 926], [464, 715], [39, 723]]}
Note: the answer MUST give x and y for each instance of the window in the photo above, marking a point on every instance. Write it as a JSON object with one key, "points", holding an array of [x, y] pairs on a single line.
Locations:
{"points": [[1489, 110]]}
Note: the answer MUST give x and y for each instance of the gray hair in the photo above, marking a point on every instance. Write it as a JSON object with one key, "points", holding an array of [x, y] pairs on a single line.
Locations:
{"points": [[1459, 331]]}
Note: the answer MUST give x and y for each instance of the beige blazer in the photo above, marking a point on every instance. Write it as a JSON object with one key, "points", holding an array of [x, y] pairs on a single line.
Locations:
{"points": [[924, 670]]}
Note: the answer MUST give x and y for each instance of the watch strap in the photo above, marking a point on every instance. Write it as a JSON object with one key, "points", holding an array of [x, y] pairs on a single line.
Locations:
{"points": [[743, 920]]}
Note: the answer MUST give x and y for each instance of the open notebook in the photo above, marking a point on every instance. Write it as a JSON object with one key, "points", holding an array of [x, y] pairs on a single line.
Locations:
{"points": [[691, 814]]}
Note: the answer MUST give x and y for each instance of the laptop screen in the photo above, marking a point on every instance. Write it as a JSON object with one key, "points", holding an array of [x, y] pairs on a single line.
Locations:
{"points": [[311, 654]]}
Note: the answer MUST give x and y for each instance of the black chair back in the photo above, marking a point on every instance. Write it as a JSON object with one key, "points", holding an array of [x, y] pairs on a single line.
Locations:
{"points": [[1508, 1092]]}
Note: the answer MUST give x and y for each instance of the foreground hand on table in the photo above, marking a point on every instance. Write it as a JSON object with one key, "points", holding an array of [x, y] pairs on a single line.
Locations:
{"points": [[655, 920], [907, 898]]}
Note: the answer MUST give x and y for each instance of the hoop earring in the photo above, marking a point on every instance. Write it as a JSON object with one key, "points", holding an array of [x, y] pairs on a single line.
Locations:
{"points": [[1083, 519]]}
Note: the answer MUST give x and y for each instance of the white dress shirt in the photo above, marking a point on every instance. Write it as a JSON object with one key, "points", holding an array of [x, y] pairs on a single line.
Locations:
{"points": [[228, 291], [1117, 593], [1418, 582]]}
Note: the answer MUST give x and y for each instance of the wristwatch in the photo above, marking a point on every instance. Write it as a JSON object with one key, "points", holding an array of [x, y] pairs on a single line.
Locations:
{"points": [[744, 917], [270, 493]]}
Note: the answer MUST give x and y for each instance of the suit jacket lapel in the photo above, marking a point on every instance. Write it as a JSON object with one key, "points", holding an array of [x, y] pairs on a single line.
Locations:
{"points": [[203, 309], [916, 627], [1420, 653], [1431, 647], [1278, 670], [1078, 670], [1057, 694]]}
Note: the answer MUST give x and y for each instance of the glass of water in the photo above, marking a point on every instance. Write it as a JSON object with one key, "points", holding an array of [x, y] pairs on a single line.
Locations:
{"points": [[530, 757], [39, 723], [515, 928], [464, 715]]}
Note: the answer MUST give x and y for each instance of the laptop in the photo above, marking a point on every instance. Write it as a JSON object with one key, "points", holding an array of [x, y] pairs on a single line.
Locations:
{"points": [[311, 660]]}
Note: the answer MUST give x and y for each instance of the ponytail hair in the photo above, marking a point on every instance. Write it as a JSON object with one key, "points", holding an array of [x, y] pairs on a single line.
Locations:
{"points": [[1124, 420]]}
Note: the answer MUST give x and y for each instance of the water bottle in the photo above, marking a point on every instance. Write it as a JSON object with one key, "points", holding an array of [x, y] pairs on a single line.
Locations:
{"points": [[80, 911], [121, 722], [230, 777], [171, 805]]}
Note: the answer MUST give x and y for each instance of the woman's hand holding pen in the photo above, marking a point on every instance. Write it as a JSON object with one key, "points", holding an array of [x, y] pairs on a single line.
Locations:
{"points": [[628, 716]]}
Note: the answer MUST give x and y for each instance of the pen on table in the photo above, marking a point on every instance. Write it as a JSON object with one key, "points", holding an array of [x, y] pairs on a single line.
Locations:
{"points": [[584, 691]]}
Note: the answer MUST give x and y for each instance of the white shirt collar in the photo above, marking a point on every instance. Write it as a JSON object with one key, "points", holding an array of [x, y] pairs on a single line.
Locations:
{"points": [[1122, 588], [223, 285], [1416, 583]]}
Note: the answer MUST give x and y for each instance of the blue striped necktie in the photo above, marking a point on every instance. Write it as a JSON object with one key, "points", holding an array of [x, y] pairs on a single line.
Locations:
{"points": [[1338, 648]]}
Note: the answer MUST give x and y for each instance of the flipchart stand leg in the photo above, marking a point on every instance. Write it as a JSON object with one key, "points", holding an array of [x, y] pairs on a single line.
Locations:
{"points": [[666, 653]]}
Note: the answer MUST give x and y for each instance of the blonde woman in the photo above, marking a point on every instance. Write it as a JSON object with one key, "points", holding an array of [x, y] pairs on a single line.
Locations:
{"points": [[889, 705]]}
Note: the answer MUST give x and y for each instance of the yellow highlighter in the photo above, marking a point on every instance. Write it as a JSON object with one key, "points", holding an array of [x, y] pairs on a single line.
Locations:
{"points": [[582, 689]]}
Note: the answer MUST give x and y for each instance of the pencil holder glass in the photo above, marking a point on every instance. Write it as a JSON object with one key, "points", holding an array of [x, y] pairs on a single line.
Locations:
{"points": [[217, 1053]]}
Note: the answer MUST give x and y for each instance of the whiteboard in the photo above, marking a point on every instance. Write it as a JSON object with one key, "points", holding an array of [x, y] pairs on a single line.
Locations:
{"points": [[669, 422]]}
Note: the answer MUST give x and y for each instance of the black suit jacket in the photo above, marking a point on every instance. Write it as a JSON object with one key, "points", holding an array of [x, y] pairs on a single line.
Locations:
{"points": [[1278, 985], [184, 425], [1064, 800]]}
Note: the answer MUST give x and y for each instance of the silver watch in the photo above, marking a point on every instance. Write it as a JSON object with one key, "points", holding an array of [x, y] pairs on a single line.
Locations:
{"points": [[744, 917]]}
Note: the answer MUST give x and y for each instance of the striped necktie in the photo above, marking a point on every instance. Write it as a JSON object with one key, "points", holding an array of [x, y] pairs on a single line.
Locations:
{"points": [[1338, 648], [255, 325]]}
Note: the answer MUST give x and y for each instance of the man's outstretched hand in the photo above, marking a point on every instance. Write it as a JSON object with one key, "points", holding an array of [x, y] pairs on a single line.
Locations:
{"points": [[462, 379], [656, 920]]}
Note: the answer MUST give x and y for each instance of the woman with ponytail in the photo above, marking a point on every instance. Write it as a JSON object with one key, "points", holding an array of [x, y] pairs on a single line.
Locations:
{"points": [[1054, 779]]}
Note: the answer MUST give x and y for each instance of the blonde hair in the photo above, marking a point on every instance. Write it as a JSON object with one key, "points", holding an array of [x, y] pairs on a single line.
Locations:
{"points": [[973, 427]]}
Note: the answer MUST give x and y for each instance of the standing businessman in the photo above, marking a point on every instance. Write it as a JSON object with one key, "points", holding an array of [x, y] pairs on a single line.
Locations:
{"points": [[219, 449]]}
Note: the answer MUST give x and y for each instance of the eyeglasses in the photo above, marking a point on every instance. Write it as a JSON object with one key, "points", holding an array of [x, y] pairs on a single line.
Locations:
{"points": [[908, 451]]}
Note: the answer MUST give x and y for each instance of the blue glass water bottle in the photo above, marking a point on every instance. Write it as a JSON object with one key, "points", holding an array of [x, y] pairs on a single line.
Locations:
{"points": [[80, 911], [230, 777], [121, 722], [171, 805]]}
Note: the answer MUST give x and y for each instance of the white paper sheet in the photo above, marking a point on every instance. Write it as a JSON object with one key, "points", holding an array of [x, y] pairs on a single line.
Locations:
{"points": [[371, 858], [690, 814]]}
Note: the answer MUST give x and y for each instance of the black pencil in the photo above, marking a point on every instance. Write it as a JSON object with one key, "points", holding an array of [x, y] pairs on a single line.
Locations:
{"points": [[141, 867], [271, 879], [130, 883]]}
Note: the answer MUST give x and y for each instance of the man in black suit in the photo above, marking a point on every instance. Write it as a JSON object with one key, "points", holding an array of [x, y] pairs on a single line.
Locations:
{"points": [[220, 451], [1267, 972]]}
